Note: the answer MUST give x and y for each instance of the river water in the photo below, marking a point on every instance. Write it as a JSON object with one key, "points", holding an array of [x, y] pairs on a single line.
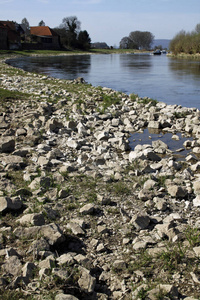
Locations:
{"points": [[173, 81]]}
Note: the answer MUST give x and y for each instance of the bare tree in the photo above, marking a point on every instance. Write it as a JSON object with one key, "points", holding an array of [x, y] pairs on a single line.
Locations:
{"points": [[26, 23], [70, 28]]}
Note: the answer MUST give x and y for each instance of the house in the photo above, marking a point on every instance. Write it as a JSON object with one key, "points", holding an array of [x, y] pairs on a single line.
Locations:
{"points": [[3, 38], [45, 37], [9, 37]]}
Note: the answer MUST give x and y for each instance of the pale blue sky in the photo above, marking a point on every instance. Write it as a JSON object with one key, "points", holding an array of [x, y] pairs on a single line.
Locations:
{"points": [[109, 20]]}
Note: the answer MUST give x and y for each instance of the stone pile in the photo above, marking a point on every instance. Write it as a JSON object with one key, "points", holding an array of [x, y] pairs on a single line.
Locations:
{"points": [[83, 216]]}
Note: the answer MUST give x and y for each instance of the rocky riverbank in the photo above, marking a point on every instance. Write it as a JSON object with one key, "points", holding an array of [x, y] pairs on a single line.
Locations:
{"points": [[82, 215]]}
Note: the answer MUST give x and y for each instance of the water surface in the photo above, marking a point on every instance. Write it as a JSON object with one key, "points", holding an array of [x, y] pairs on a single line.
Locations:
{"points": [[159, 77]]}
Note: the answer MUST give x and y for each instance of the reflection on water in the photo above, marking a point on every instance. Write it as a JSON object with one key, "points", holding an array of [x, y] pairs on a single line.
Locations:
{"points": [[159, 77], [56, 66], [133, 61], [182, 68]]}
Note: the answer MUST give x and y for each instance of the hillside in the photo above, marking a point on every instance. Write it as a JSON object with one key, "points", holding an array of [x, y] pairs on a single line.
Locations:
{"points": [[165, 43]]}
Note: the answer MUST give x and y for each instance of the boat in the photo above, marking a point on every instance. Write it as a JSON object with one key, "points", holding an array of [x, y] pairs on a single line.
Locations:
{"points": [[157, 52]]}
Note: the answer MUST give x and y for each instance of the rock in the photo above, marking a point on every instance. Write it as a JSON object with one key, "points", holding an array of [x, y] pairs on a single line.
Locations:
{"points": [[86, 281], [7, 204], [47, 263], [27, 270], [65, 297], [88, 209], [13, 162], [160, 203], [177, 191], [119, 265], [140, 221], [154, 124], [65, 259], [76, 229], [166, 289], [12, 265], [7, 144], [21, 132], [33, 219], [149, 184], [53, 125], [196, 187], [159, 146], [197, 251], [51, 232], [196, 201]]}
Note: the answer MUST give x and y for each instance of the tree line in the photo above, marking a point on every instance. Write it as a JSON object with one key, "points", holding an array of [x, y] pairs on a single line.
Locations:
{"points": [[71, 35], [186, 42]]}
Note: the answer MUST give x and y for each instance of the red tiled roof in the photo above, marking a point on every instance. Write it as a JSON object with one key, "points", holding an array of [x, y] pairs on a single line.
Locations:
{"points": [[42, 31]]}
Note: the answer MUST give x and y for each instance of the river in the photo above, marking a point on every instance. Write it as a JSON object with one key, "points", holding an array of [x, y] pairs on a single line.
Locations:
{"points": [[173, 81]]}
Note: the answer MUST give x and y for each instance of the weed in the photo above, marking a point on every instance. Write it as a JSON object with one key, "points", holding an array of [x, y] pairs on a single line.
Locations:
{"points": [[179, 115], [13, 295], [108, 100], [119, 188], [134, 97], [161, 180], [142, 294], [145, 101], [193, 236], [171, 258]]}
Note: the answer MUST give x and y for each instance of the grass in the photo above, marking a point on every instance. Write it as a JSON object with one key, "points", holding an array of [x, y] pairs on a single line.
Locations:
{"points": [[119, 188], [7, 96], [13, 295], [145, 101], [193, 236]]}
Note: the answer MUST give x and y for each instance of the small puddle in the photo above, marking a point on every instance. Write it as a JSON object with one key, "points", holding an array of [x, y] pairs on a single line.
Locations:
{"points": [[149, 135]]}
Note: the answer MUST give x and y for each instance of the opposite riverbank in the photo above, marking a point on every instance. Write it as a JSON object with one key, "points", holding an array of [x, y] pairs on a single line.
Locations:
{"points": [[82, 214]]}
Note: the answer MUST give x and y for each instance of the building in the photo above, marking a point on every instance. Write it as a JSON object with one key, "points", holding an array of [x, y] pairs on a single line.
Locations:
{"points": [[3, 38], [9, 37], [45, 37]]}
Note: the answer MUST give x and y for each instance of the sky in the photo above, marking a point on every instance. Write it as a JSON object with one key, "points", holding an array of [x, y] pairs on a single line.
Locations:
{"points": [[109, 20]]}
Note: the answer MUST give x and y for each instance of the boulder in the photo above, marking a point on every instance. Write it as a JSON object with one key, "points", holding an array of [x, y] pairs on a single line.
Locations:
{"points": [[7, 203], [7, 144], [86, 282], [33, 219], [62, 296], [177, 191], [140, 221], [12, 266]]}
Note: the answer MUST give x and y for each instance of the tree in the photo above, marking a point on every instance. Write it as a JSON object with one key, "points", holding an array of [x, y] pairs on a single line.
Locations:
{"points": [[197, 28], [137, 40], [41, 23], [70, 28], [26, 23], [84, 40], [125, 43], [141, 39]]}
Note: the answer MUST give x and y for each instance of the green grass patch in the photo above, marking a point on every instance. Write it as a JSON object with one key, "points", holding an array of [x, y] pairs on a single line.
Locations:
{"points": [[6, 95]]}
